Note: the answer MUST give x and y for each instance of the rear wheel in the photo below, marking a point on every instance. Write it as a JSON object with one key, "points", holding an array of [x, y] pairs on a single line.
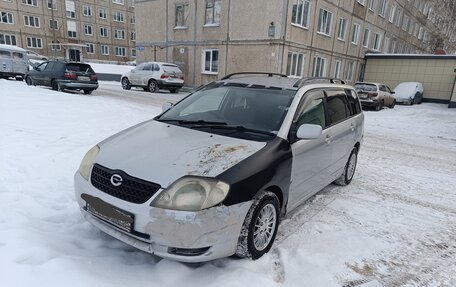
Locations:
{"points": [[260, 226], [87, 92], [349, 169], [56, 86], [153, 86], [28, 81], [393, 105], [126, 84]]}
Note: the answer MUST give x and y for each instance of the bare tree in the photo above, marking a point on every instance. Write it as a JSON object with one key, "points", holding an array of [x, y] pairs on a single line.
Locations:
{"points": [[443, 14]]}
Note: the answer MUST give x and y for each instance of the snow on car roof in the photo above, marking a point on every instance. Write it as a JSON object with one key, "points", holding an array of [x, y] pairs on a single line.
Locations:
{"points": [[12, 48]]}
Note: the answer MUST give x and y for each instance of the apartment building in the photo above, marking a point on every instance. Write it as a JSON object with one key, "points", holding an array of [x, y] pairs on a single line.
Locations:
{"points": [[300, 38], [71, 29]]}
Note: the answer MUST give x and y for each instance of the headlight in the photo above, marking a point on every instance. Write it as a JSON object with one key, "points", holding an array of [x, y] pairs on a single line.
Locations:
{"points": [[87, 161], [191, 193]]}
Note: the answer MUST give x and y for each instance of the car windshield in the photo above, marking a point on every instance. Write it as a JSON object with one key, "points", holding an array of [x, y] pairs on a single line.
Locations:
{"points": [[238, 110], [365, 88]]}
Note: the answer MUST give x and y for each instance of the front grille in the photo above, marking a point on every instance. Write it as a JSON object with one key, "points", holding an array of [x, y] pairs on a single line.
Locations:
{"points": [[132, 189]]}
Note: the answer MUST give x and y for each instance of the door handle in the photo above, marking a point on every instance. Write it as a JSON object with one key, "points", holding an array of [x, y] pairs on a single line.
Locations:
{"points": [[328, 139], [352, 127]]}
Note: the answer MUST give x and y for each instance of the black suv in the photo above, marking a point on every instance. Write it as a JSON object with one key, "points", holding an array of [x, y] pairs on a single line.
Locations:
{"points": [[61, 75]]}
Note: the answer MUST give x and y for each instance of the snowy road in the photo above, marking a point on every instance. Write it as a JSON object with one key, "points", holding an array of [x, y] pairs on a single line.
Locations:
{"points": [[395, 225]]}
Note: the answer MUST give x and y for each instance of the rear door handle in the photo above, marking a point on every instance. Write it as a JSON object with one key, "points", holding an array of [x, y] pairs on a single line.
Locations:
{"points": [[352, 127]]}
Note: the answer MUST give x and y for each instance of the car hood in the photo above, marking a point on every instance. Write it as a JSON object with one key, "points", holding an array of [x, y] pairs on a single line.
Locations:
{"points": [[404, 94], [162, 153]]}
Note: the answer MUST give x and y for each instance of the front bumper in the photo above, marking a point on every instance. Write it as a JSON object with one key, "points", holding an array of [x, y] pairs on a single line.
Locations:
{"points": [[78, 85], [211, 233], [404, 101]]}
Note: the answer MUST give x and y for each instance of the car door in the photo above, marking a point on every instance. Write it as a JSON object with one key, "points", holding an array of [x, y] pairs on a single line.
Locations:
{"points": [[37, 76], [135, 74], [145, 74], [389, 96], [47, 73], [311, 158]]}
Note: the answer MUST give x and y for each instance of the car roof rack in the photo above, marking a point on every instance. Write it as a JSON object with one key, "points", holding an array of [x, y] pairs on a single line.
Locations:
{"points": [[304, 81], [254, 73]]}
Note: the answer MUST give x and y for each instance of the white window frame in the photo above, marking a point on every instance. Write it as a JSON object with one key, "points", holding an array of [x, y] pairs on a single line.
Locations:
{"points": [[102, 48], [92, 48], [337, 68], [118, 2], [28, 20], [362, 2], [216, 7], [371, 5], [8, 39], [52, 4], [88, 27], [350, 71], [70, 9], [405, 22], [355, 33], [38, 42], [102, 13], [211, 70], [398, 17], [119, 34], [366, 37], [305, 18], [133, 36], [120, 52], [70, 32], [102, 32], [8, 16], [392, 13], [293, 69], [382, 8], [33, 3], [342, 33], [87, 10], [118, 16], [133, 52], [377, 42], [184, 7], [324, 24], [56, 24], [132, 19], [320, 65]]}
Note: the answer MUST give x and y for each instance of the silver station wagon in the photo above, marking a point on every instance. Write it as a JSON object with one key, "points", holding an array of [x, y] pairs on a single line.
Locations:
{"points": [[213, 175]]}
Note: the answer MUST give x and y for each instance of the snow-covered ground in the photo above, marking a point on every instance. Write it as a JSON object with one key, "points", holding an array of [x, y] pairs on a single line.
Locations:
{"points": [[395, 225]]}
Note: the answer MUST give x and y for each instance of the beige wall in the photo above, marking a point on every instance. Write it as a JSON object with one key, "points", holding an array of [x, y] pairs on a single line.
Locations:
{"points": [[437, 75]]}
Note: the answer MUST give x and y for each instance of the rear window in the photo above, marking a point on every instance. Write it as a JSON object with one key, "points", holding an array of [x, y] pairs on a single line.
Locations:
{"points": [[365, 87], [5, 54], [169, 68], [79, 68]]}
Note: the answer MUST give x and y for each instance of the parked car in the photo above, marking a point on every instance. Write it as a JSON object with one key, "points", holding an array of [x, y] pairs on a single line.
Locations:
{"points": [[375, 96], [35, 56], [13, 62], [153, 76], [409, 93], [212, 175], [61, 75]]}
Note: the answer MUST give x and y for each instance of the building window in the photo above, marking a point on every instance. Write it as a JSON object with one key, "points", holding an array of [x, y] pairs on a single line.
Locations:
{"points": [[350, 71], [324, 22], [88, 29], [133, 36], [132, 20], [104, 32], [102, 13], [295, 64], [301, 13], [210, 61], [421, 33], [337, 69], [70, 9], [181, 15], [377, 41], [366, 37], [119, 34], [55, 45], [33, 42], [30, 2], [90, 48], [342, 29], [87, 11], [133, 53], [104, 49], [31, 21], [398, 17], [355, 35], [120, 52], [52, 4], [118, 16], [392, 13], [213, 8], [405, 23], [53, 24], [371, 4], [319, 67], [382, 8], [386, 45], [131, 3], [8, 39], [362, 2], [120, 2], [6, 18], [71, 27]]}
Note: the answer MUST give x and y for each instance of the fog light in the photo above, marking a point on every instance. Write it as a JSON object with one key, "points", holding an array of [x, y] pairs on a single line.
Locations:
{"points": [[187, 251]]}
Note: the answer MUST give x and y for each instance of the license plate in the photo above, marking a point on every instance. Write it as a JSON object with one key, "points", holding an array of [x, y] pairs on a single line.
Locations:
{"points": [[117, 217], [83, 78]]}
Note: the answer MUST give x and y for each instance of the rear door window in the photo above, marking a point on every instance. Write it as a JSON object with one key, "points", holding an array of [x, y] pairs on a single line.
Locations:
{"points": [[353, 102], [5, 54], [17, 55], [337, 106]]}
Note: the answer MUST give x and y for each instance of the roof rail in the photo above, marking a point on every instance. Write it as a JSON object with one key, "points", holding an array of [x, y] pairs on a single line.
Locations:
{"points": [[254, 73], [304, 81]]}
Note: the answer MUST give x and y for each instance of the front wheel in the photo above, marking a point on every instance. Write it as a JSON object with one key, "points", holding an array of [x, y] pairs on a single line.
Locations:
{"points": [[153, 86], [87, 92], [393, 105], [260, 227], [126, 84], [29, 81], [349, 169]]}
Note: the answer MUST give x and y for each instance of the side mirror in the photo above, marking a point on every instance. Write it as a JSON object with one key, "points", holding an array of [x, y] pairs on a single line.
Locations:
{"points": [[167, 106], [309, 131]]}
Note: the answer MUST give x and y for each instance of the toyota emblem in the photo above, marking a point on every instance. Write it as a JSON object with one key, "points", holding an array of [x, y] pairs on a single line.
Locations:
{"points": [[116, 179]]}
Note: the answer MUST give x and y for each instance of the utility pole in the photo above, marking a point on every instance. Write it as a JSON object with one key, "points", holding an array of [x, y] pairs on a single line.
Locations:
{"points": [[53, 28]]}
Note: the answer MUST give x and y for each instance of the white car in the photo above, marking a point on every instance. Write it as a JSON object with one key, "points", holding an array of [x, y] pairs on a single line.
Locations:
{"points": [[212, 175], [409, 93], [153, 76], [35, 56]]}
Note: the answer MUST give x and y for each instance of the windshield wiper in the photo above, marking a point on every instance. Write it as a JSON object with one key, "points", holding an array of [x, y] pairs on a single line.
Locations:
{"points": [[234, 128], [198, 122]]}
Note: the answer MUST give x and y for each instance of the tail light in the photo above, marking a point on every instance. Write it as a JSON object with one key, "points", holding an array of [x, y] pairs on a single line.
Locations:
{"points": [[164, 76], [93, 77], [70, 75], [372, 95]]}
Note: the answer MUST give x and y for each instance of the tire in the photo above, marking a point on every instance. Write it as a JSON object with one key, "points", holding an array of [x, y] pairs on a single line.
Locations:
{"points": [[264, 218], [87, 92], [173, 91], [378, 107], [126, 84], [393, 105], [349, 169], [55, 86], [153, 86], [19, 78], [28, 81]]}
